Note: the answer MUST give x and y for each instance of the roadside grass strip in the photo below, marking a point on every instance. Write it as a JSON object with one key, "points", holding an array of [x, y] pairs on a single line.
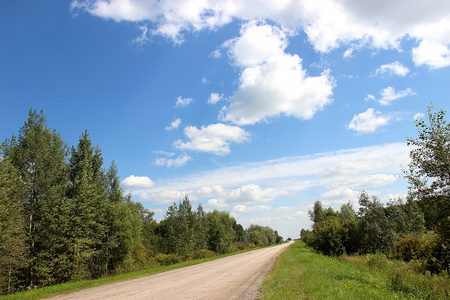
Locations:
{"points": [[300, 273]]}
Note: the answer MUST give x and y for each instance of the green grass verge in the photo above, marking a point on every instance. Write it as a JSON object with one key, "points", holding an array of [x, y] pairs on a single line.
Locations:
{"points": [[71, 287], [302, 274]]}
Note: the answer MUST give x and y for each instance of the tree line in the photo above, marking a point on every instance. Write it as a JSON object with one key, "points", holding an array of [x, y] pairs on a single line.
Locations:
{"points": [[64, 217], [416, 229]]}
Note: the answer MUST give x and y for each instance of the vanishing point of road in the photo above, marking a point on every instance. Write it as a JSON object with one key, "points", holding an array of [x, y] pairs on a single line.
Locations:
{"points": [[233, 277]]}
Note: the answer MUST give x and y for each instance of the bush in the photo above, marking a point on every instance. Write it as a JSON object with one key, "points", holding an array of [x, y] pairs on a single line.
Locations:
{"points": [[244, 245], [377, 260], [167, 259], [413, 248], [203, 253]]}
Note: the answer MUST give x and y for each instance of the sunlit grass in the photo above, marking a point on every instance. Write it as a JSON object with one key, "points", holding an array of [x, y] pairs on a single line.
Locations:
{"points": [[302, 274]]}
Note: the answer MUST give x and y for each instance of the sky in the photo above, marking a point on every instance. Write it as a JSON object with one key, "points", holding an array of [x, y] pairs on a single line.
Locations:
{"points": [[255, 107]]}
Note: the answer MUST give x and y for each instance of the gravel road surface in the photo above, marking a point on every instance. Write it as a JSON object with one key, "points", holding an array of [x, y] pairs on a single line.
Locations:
{"points": [[232, 277]]}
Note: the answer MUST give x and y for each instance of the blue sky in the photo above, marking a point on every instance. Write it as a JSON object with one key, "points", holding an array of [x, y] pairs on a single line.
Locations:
{"points": [[254, 107]]}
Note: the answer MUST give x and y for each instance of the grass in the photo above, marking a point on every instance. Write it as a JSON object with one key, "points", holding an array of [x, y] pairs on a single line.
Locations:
{"points": [[302, 274], [71, 287]]}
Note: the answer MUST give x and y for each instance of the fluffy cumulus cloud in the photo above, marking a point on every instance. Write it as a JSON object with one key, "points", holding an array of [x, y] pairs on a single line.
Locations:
{"points": [[434, 46], [214, 98], [173, 162], [368, 121], [214, 138], [138, 182], [339, 196], [394, 68], [165, 197], [389, 94], [252, 193], [216, 203], [272, 82], [328, 24]]}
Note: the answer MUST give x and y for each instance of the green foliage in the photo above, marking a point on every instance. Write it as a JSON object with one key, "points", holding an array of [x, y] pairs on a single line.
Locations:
{"points": [[262, 235], [168, 259], [65, 218], [374, 229], [220, 231], [13, 248], [203, 253], [71, 219], [429, 180], [413, 248]]}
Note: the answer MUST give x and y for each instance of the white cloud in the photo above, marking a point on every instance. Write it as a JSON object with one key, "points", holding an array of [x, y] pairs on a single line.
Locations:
{"points": [[174, 125], [434, 47], [214, 98], [214, 203], [339, 196], [394, 68], [215, 190], [389, 94], [349, 52], [166, 196], [176, 162], [328, 24], [216, 54], [261, 182], [283, 209], [157, 211], [254, 208], [368, 121], [272, 81], [214, 138], [182, 102], [419, 116], [370, 97], [165, 153], [138, 182], [252, 193], [257, 44]]}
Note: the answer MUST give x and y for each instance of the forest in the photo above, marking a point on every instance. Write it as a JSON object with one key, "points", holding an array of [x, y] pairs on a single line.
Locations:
{"points": [[415, 230], [64, 217]]}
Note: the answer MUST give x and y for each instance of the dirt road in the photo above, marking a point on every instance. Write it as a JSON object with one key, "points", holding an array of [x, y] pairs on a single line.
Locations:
{"points": [[233, 277]]}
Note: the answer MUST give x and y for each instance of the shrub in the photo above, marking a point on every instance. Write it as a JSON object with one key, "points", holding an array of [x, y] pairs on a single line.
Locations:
{"points": [[413, 248], [377, 260], [167, 259], [244, 245], [203, 253]]}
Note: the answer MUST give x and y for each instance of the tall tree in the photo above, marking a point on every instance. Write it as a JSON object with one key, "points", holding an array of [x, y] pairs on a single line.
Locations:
{"points": [[429, 168], [39, 154], [429, 177], [13, 247], [220, 231], [88, 207]]}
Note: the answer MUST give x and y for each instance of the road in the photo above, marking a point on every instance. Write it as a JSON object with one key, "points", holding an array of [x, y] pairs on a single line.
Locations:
{"points": [[232, 277]]}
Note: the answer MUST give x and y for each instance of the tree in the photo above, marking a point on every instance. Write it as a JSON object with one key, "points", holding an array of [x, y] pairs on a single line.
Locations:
{"points": [[88, 207], [13, 246], [429, 169], [220, 231], [39, 156], [429, 178]]}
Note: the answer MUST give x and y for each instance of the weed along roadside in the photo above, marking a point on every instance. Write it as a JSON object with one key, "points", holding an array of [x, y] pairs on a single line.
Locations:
{"points": [[300, 273]]}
